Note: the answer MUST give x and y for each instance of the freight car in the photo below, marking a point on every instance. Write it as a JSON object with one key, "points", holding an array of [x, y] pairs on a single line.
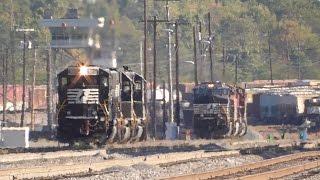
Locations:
{"points": [[100, 105], [219, 110]]}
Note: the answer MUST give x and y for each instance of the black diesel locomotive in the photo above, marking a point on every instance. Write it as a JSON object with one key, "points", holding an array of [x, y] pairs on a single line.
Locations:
{"points": [[219, 110], [101, 105]]}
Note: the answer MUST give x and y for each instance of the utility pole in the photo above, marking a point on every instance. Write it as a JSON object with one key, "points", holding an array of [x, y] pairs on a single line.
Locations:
{"points": [[3, 85], [23, 80], [299, 63], [211, 39], [224, 57], [49, 104], [170, 78], [153, 113], [171, 115], [164, 108], [270, 59], [236, 69], [4, 82], [177, 77], [13, 68], [6, 79], [201, 50], [145, 40], [23, 73], [299, 69], [33, 86], [141, 57], [195, 56], [154, 73], [145, 107], [13, 61]]}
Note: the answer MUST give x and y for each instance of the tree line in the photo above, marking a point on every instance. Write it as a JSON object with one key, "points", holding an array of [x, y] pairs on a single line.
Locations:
{"points": [[253, 32]]}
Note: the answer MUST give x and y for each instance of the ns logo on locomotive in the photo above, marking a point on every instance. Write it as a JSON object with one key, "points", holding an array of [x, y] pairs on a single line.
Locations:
{"points": [[96, 104]]}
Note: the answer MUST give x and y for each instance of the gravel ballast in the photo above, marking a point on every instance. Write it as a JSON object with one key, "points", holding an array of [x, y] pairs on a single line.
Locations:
{"points": [[144, 171]]}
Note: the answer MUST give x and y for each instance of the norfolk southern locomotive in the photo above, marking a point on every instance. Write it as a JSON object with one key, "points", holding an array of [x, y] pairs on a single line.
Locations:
{"points": [[100, 104], [219, 110]]}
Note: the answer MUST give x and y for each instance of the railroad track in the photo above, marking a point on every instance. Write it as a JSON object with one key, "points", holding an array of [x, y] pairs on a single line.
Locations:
{"points": [[135, 150], [116, 147], [266, 169], [67, 169], [194, 144]]}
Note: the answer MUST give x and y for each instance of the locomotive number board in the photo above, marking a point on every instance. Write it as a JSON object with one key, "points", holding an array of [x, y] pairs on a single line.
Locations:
{"points": [[211, 108]]}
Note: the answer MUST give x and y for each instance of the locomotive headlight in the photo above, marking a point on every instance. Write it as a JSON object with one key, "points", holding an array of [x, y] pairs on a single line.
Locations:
{"points": [[210, 85], [68, 113], [83, 70]]}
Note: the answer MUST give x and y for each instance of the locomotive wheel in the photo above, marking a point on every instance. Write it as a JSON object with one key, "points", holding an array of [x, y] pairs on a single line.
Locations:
{"points": [[138, 131], [123, 134], [243, 129], [127, 134], [113, 134], [133, 133], [143, 136], [230, 129], [236, 129]]}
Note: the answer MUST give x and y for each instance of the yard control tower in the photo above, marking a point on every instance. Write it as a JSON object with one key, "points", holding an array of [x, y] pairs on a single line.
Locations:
{"points": [[72, 32]]}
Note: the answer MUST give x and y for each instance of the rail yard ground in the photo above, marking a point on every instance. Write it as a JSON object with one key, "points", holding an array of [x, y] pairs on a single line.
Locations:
{"points": [[257, 133], [145, 160], [154, 159]]}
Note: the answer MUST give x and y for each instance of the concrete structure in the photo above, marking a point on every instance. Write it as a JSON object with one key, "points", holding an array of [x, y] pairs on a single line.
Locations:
{"points": [[13, 137]]}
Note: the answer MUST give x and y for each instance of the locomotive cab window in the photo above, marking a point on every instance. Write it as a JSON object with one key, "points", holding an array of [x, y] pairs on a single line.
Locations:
{"points": [[104, 87], [126, 87], [137, 94], [126, 91], [137, 86], [83, 81], [104, 82], [62, 83], [225, 92]]}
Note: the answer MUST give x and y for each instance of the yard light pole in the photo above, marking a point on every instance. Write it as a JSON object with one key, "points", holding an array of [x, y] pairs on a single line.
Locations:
{"points": [[23, 73]]}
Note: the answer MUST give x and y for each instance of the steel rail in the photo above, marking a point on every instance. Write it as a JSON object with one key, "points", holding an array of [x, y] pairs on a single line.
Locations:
{"points": [[193, 144], [279, 173], [245, 167]]}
